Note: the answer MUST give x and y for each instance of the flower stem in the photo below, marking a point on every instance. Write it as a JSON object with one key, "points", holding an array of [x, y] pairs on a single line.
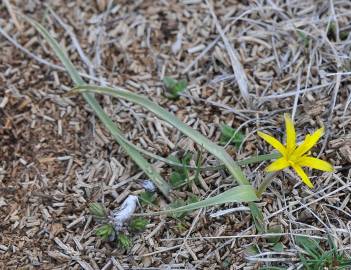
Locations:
{"points": [[265, 183]]}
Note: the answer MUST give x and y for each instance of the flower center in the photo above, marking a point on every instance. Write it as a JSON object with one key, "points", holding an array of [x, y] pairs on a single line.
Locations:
{"points": [[292, 158]]}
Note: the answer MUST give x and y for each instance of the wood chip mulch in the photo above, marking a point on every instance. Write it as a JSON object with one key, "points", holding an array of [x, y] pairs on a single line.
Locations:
{"points": [[56, 157]]}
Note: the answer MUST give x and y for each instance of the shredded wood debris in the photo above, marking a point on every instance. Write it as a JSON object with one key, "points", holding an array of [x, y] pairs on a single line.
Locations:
{"points": [[247, 62]]}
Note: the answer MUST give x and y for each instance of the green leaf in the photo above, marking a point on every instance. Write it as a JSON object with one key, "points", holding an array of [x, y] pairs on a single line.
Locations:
{"points": [[303, 37], [192, 199], [187, 158], [176, 204], [89, 98], [138, 224], [274, 229], [105, 231], [345, 263], [124, 241], [243, 193], [181, 203], [252, 250], [174, 87], [180, 175], [97, 210], [213, 148], [169, 82], [181, 227], [331, 31], [310, 246], [344, 35], [278, 247], [231, 135], [258, 218], [174, 159], [147, 197], [177, 179]]}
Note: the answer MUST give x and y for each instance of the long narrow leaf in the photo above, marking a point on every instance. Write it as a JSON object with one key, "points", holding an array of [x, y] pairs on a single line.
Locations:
{"points": [[116, 133], [213, 148], [242, 193]]}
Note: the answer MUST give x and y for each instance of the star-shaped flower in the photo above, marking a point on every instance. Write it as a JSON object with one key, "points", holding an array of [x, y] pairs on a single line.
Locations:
{"points": [[296, 156]]}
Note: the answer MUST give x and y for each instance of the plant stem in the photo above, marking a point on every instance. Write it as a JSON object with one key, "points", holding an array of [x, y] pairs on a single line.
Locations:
{"points": [[265, 183]]}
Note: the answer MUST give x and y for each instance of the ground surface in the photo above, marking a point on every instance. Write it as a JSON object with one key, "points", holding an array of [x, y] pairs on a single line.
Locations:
{"points": [[56, 157]]}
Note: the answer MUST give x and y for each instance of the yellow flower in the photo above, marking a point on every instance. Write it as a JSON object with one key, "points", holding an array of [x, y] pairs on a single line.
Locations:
{"points": [[296, 156]]}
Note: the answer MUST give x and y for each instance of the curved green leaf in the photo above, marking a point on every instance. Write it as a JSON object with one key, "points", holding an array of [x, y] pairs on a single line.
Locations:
{"points": [[116, 133]]}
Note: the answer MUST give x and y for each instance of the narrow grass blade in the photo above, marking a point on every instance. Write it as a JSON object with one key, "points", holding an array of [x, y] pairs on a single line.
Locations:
{"points": [[116, 133], [242, 193], [213, 148]]}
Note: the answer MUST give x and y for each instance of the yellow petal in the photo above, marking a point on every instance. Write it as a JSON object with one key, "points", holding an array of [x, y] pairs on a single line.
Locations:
{"points": [[303, 175], [273, 141], [290, 133], [308, 143], [315, 163], [278, 165]]}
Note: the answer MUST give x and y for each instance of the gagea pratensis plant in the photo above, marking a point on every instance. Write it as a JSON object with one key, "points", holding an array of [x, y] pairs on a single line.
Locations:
{"points": [[291, 154]]}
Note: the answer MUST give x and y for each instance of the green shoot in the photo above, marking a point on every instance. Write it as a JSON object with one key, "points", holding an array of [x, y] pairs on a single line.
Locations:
{"points": [[147, 197], [198, 166], [303, 37], [314, 257], [180, 176], [230, 135], [124, 241], [105, 231], [138, 224], [180, 227], [97, 210], [174, 87]]}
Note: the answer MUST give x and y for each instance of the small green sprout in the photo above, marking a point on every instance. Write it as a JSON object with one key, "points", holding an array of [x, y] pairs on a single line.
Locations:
{"points": [[180, 227], [174, 87], [314, 257], [331, 32], [105, 231], [147, 197], [124, 241], [97, 210], [138, 224], [179, 176], [303, 37], [230, 135]]}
